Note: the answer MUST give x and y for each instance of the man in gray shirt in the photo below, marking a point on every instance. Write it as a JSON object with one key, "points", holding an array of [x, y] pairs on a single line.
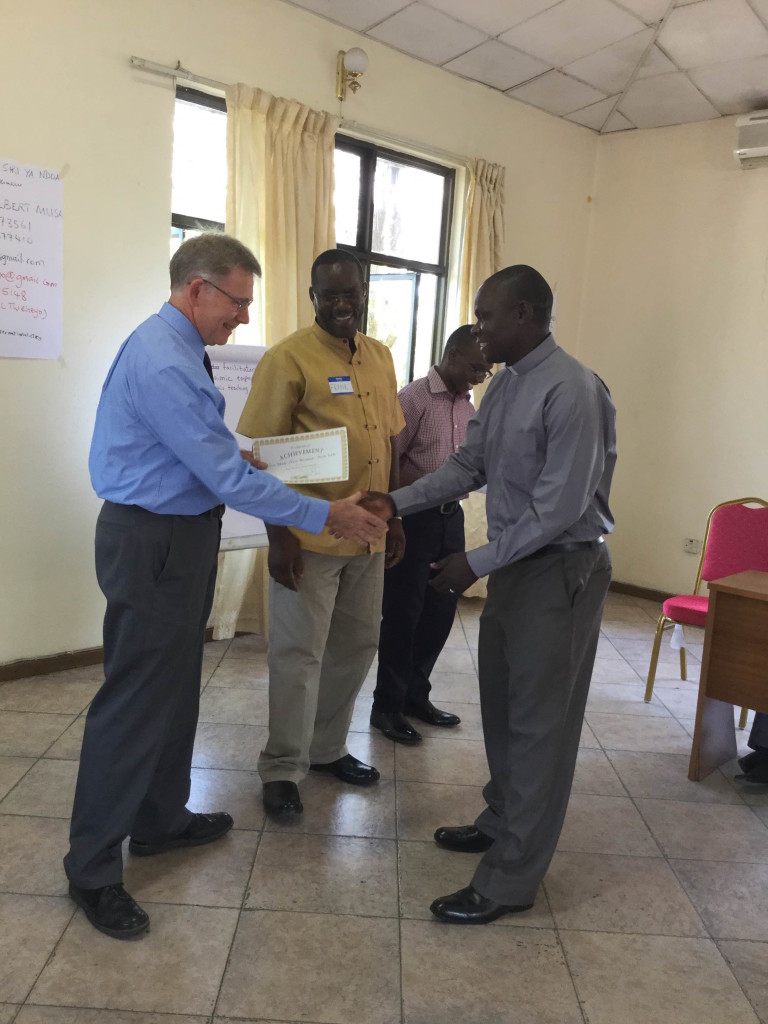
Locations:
{"points": [[544, 442]]}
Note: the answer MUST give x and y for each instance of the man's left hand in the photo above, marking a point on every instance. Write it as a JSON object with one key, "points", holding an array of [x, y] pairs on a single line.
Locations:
{"points": [[395, 543], [454, 574]]}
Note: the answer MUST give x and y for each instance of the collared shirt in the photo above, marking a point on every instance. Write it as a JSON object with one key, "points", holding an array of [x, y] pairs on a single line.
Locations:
{"points": [[544, 441], [435, 425], [312, 381], [160, 441]]}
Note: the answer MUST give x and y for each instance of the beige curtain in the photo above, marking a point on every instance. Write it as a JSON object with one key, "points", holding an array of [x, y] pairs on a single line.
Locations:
{"points": [[280, 204], [482, 255]]}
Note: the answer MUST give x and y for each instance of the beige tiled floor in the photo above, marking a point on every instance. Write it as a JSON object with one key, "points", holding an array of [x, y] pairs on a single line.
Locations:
{"points": [[654, 910]]}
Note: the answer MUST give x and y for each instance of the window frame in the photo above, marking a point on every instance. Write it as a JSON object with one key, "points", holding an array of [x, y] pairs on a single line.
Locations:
{"points": [[362, 249]]}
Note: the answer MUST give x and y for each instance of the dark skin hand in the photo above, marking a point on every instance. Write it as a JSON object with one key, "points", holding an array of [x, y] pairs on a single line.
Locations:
{"points": [[454, 574], [285, 563], [395, 543], [379, 503], [382, 505], [284, 559], [396, 534]]}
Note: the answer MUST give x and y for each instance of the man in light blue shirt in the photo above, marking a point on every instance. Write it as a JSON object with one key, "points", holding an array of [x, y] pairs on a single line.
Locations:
{"points": [[165, 465], [544, 442]]}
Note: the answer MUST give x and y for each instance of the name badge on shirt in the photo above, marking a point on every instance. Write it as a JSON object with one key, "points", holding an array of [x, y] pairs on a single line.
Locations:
{"points": [[341, 385]]}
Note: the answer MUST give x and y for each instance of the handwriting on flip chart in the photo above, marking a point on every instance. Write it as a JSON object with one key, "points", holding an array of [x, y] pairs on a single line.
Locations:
{"points": [[31, 261], [233, 367]]}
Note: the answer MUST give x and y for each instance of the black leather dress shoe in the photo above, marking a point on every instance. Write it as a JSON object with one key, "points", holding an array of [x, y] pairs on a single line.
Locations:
{"points": [[395, 726], [281, 799], [202, 829], [111, 910], [752, 760], [427, 712], [467, 906], [349, 769], [756, 775], [463, 839]]}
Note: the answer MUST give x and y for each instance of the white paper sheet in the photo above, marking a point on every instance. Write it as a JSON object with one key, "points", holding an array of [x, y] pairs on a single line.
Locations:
{"points": [[31, 261], [316, 457]]}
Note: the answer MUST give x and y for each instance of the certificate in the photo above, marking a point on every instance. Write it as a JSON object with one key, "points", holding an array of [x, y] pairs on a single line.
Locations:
{"points": [[317, 457]]}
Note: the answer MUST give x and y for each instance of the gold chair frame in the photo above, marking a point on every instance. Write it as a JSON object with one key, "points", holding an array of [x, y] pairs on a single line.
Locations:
{"points": [[665, 623]]}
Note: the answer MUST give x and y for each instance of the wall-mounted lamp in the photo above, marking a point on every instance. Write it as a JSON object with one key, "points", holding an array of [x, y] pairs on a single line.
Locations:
{"points": [[350, 66]]}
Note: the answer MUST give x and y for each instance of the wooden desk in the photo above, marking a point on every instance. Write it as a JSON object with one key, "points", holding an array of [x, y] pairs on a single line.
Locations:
{"points": [[734, 668]]}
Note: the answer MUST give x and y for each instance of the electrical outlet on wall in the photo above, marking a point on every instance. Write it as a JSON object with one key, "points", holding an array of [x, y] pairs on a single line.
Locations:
{"points": [[691, 546]]}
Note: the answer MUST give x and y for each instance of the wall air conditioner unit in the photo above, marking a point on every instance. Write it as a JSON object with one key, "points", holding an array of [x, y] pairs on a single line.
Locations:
{"points": [[752, 139]]}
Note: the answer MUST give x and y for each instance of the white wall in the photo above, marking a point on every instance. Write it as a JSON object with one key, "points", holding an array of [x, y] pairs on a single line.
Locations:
{"points": [[74, 103], [675, 317]]}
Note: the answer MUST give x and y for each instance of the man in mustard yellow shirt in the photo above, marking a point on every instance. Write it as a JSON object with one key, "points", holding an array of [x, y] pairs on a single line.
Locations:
{"points": [[325, 593]]}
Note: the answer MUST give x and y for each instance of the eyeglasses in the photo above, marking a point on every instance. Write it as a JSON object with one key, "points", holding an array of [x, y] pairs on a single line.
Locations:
{"points": [[240, 304], [478, 371]]}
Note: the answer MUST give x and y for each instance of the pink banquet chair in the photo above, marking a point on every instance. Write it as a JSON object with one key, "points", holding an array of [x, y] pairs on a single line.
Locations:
{"points": [[736, 539]]}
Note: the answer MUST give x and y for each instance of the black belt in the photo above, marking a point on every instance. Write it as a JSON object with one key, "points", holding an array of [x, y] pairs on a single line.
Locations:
{"points": [[212, 513], [448, 508], [565, 547]]}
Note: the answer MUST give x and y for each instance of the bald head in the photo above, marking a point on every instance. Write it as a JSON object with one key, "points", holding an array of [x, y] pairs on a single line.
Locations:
{"points": [[513, 310], [521, 283]]}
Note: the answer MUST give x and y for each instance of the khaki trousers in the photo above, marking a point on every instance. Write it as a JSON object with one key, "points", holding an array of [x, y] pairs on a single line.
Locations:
{"points": [[322, 642]]}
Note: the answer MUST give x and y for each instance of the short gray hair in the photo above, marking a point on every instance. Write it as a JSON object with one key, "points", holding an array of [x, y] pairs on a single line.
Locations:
{"points": [[211, 254]]}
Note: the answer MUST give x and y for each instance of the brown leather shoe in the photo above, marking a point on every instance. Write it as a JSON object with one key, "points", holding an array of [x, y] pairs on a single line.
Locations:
{"points": [[111, 910]]}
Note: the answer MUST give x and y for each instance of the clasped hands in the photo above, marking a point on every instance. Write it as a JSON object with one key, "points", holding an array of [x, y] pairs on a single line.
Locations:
{"points": [[453, 573], [347, 518], [377, 521]]}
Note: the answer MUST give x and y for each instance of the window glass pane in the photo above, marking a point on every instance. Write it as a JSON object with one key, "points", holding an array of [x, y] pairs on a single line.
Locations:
{"points": [[407, 211], [346, 195], [391, 297], [199, 175], [425, 325], [179, 235]]}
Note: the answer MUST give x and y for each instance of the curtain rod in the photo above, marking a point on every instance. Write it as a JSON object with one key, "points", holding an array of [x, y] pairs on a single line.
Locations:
{"points": [[211, 83], [176, 72]]}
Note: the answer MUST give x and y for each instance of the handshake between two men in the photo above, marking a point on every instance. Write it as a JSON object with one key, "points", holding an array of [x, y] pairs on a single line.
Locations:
{"points": [[352, 518], [453, 574], [364, 517]]}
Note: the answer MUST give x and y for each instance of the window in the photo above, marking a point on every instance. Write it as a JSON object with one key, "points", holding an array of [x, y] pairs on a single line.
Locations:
{"points": [[199, 174], [393, 212]]}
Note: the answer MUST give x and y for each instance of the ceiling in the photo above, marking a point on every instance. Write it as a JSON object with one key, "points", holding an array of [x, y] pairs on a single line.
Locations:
{"points": [[608, 65]]}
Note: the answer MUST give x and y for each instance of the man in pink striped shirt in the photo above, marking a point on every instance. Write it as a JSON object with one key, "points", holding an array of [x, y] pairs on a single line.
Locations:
{"points": [[416, 620]]}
